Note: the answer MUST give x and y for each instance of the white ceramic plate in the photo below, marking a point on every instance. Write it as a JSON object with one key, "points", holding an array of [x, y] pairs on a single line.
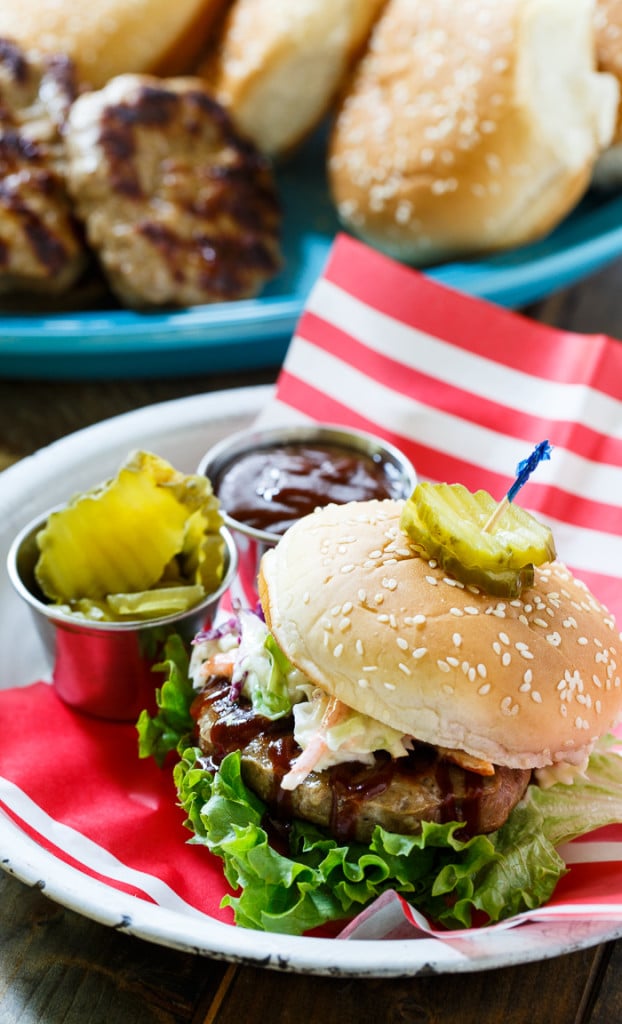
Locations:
{"points": [[181, 431]]}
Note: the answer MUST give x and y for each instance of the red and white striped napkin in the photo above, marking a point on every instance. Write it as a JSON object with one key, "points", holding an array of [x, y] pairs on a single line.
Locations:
{"points": [[466, 390]]}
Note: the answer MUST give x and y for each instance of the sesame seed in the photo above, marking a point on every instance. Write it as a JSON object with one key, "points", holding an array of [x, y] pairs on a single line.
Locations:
{"points": [[452, 661], [484, 689], [403, 644], [504, 638], [471, 610], [362, 596], [506, 659], [390, 686], [535, 696], [419, 652], [554, 639], [338, 651], [456, 611], [344, 625], [370, 668], [359, 646], [383, 618], [457, 639], [363, 683], [482, 671], [528, 675], [508, 708], [404, 668], [306, 597], [444, 667], [541, 622], [583, 641], [432, 580]]}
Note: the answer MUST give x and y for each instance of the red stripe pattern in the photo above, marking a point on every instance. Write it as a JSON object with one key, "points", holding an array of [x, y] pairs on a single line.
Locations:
{"points": [[466, 390]]}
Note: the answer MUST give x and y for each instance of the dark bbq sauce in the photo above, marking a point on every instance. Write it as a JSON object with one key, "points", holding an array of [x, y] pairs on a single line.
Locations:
{"points": [[271, 488], [462, 796], [237, 724]]}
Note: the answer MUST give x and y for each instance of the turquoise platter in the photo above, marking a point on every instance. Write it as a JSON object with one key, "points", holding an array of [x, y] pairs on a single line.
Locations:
{"points": [[225, 337]]}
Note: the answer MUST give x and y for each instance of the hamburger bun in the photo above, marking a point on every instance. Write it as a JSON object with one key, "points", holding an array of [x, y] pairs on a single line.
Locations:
{"points": [[469, 127], [608, 24], [107, 37], [278, 64], [521, 683]]}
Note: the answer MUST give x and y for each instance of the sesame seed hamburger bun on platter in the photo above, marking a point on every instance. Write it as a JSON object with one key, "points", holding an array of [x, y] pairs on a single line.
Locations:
{"points": [[469, 127], [380, 712]]}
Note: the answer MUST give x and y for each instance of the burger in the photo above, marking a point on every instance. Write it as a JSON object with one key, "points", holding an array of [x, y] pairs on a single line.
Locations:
{"points": [[378, 723]]}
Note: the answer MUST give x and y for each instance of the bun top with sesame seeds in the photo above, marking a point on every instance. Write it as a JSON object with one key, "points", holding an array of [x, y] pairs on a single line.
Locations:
{"points": [[525, 683], [470, 127]]}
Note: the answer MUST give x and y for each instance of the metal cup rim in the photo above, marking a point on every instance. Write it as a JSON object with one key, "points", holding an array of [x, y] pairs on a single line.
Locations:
{"points": [[221, 454], [54, 615]]}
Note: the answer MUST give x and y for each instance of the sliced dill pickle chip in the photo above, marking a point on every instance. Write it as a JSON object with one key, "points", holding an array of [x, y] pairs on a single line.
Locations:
{"points": [[447, 521], [145, 525], [155, 603]]}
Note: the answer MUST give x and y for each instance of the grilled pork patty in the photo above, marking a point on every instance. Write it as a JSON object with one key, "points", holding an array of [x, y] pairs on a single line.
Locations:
{"points": [[180, 209], [350, 799], [41, 245]]}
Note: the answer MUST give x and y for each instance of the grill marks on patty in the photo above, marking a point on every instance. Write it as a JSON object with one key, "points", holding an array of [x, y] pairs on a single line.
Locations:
{"points": [[179, 207], [41, 246], [350, 799]]}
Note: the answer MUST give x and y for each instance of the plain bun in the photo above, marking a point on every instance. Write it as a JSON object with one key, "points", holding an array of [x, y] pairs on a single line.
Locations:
{"points": [[523, 683], [107, 37], [469, 127], [278, 64], [608, 37]]}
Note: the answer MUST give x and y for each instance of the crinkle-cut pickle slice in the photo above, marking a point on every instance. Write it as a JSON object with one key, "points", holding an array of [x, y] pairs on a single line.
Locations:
{"points": [[447, 521], [122, 536]]}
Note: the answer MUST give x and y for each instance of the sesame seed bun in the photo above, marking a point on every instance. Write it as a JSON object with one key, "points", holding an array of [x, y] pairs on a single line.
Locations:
{"points": [[523, 683], [108, 37], [469, 127]]}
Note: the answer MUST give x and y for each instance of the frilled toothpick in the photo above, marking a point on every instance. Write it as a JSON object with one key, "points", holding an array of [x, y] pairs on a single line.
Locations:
{"points": [[525, 468]]}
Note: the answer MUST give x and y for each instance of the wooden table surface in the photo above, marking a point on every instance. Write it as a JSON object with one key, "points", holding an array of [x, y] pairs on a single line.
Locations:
{"points": [[57, 967]]}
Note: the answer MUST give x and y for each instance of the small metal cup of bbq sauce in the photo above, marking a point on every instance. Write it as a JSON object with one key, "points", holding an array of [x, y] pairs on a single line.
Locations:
{"points": [[267, 479], [103, 668]]}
